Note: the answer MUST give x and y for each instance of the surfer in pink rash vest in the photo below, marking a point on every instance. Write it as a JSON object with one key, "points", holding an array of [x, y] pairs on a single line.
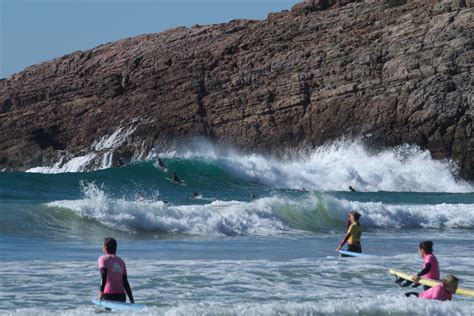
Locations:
{"points": [[114, 274], [442, 292], [430, 266]]}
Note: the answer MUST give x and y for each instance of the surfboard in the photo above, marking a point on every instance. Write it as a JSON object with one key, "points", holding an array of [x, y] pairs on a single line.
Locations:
{"points": [[118, 306], [429, 282], [181, 182], [355, 254]]}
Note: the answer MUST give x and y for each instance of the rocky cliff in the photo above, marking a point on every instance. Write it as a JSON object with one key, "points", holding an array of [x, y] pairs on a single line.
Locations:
{"points": [[386, 72]]}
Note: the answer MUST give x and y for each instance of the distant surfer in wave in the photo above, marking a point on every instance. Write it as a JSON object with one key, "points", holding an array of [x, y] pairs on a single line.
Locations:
{"points": [[352, 189], [113, 272], [175, 178], [120, 163], [161, 164], [353, 235]]}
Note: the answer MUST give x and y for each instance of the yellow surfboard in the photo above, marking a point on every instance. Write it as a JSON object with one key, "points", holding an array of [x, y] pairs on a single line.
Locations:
{"points": [[429, 282]]}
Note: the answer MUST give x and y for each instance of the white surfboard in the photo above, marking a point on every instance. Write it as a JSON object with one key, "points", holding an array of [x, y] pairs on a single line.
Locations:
{"points": [[117, 306], [181, 182], [355, 254]]}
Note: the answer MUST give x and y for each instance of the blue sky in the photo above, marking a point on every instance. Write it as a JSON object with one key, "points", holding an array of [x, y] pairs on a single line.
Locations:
{"points": [[32, 31]]}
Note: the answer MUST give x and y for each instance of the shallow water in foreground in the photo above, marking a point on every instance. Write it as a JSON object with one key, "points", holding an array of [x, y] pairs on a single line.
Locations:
{"points": [[298, 274], [226, 252]]}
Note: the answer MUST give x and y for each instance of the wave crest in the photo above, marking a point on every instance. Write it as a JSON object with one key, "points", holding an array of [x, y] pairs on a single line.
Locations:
{"points": [[267, 216]]}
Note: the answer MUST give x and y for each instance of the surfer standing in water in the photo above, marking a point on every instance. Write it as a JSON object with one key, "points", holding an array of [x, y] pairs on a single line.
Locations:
{"points": [[114, 274], [353, 234]]}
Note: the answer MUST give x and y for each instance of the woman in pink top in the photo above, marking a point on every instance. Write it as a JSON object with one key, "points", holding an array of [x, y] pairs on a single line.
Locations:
{"points": [[114, 274], [430, 266], [442, 291]]}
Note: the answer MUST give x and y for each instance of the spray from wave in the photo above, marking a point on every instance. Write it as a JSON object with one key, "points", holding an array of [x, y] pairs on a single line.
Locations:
{"points": [[337, 166], [379, 215], [216, 218], [333, 167], [269, 216]]}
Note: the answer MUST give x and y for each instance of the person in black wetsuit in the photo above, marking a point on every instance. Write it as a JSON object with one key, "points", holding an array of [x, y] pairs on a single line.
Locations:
{"points": [[175, 178], [161, 164], [120, 163]]}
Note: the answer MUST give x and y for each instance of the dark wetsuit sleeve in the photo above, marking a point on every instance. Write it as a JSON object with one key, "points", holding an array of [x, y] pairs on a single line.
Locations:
{"points": [[425, 270], [103, 274], [128, 289]]}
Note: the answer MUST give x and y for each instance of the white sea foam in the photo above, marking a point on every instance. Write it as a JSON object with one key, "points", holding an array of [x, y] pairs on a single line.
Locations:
{"points": [[218, 217], [375, 305], [376, 214], [199, 148], [100, 156], [328, 168], [261, 217], [76, 164], [336, 166], [316, 286], [115, 140], [380, 215]]}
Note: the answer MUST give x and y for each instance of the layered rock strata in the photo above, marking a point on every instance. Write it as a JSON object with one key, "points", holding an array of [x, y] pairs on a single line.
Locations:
{"points": [[389, 73]]}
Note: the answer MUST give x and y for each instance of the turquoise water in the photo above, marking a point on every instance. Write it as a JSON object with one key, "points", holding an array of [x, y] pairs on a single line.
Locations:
{"points": [[252, 242]]}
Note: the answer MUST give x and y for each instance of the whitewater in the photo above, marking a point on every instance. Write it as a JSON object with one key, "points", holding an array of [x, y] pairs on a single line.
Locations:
{"points": [[244, 234]]}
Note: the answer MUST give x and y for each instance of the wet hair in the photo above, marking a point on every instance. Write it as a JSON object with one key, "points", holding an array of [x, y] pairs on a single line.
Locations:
{"points": [[450, 283], [427, 246], [356, 215], [110, 245]]}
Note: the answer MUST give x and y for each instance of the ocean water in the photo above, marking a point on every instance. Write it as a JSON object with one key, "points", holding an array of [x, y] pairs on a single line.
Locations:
{"points": [[253, 242]]}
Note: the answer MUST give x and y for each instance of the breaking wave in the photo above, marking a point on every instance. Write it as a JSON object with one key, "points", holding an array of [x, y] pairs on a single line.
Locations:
{"points": [[267, 216], [329, 168]]}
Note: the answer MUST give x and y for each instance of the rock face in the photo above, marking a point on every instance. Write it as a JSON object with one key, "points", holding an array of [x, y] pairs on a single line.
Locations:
{"points": [[388, 73]]}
